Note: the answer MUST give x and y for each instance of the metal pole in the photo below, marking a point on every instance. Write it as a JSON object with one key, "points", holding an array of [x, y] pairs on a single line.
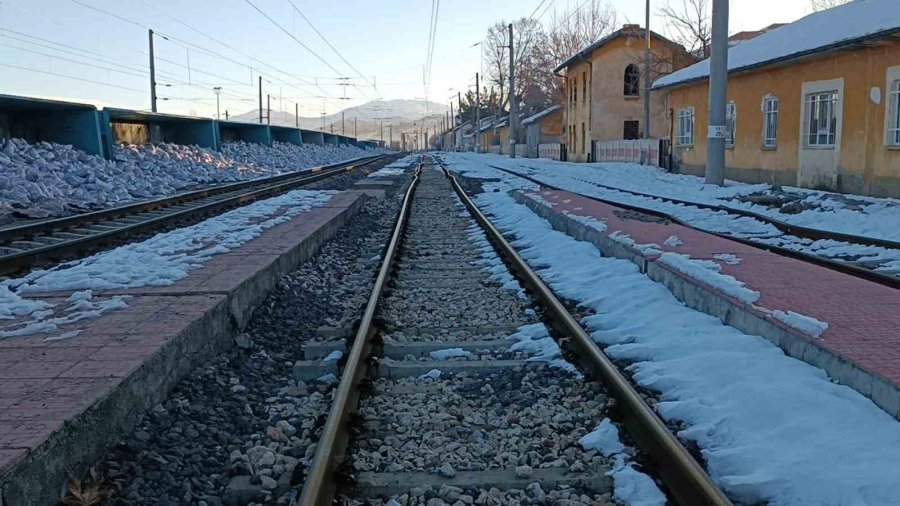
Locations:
{"points": [[297, 115], [382, 131], [217, 90], [647, 76], [268, 109], [477, 114], [391, 135], [354, 128], [513, 107], [342, 124], [718, 93], [260, 100], [152, 75]]}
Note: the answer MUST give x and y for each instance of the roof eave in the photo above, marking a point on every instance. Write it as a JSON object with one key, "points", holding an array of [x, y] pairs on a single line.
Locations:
{"points": [[837, 46]]}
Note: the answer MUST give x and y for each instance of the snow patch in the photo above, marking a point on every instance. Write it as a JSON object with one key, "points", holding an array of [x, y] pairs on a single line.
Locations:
{"points": [[707, 272], [448, 353], [801, 322]]}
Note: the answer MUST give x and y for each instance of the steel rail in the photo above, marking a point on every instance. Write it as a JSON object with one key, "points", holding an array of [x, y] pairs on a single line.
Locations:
{"points": [[16, 261], [320, 486], [836, 265], [27, 230], [785, 227], [686, 479]]}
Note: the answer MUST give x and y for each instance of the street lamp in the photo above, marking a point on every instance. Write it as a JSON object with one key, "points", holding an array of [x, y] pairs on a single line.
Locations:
{"points": [[217, 90]]}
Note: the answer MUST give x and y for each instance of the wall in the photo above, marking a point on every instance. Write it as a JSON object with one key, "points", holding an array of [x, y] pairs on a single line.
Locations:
{"points": [[607, 108], [865, 164]]}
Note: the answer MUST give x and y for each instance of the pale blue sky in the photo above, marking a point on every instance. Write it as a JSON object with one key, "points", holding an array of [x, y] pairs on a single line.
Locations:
{"points": [[385, 40]]}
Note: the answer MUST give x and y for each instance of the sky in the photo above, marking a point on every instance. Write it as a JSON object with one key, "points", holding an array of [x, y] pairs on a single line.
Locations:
{"points": [[70, 50]]}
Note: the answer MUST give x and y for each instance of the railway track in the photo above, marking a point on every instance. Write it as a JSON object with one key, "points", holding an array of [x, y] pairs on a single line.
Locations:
{"points": [[434, 405], [795, 241], [26, 246]]}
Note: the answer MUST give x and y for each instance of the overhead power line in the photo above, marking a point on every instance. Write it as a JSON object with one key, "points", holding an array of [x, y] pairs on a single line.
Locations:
{"points": [[310, 23], [49, 73]]}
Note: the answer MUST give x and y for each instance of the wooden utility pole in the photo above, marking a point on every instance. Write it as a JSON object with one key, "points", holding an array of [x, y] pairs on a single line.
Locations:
{"points": [[513, 107], [647, 75], [477, 114], [152, 75]]}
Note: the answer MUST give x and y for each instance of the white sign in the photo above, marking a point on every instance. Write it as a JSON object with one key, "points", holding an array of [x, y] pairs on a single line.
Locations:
{"points": [[716, 132]]}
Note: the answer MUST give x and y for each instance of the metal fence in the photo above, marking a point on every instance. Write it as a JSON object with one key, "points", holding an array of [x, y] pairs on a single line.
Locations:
{"points": [[642, 151]]}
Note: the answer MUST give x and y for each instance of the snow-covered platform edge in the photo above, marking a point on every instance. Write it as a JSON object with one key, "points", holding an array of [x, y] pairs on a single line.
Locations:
{"points": [[37, 476], [741, 315]]}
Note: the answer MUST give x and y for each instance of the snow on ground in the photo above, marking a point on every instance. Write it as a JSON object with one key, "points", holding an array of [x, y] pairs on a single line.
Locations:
{"points": [[865, 216], [707, 271], [158, 261], [772, 428], [49, 180], [630, 486]]}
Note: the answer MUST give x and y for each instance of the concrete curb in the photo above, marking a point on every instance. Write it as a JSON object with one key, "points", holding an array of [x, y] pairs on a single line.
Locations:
{"points": [[39, 477], [744, 317]]}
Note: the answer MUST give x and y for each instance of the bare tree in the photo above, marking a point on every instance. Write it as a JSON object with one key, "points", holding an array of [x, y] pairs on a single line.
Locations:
{"points": [[566, 33], [821, 5], [689, 24], [527, 34]]}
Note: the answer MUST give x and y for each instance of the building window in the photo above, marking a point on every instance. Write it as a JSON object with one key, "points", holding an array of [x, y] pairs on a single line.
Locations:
{"points": [[631, 130], [730, 116], [770, 122], [685, 135], [821, 119], [583, 137], [894, 111], [632, 81], [584, 86], [575, 88]]}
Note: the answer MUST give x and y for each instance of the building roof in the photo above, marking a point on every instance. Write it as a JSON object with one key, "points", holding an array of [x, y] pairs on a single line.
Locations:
{"points": [[625, 31], [751, 34], [818, 32], [535, 117]]}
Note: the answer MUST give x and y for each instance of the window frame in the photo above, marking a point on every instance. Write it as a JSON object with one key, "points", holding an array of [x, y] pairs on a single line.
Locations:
{"points": [[893, 114], [730, 123], [815, 105], [685, 113], [770, 119], [636, 84], [584, 86]]}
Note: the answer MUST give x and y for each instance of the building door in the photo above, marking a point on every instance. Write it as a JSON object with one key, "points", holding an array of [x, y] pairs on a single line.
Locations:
{"points": [[820, 134], [632, 130]]}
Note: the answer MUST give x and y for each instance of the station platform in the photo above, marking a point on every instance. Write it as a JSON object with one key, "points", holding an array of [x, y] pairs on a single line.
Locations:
{"points": [[64, 402], [860, 347]]}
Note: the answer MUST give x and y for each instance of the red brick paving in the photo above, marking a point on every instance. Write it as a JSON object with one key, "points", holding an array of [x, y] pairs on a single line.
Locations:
{"points": [[863, 317], [44, 383]]}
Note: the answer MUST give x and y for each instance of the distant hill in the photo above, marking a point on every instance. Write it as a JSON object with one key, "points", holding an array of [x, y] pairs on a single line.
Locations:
{"points": [[401, 116]]}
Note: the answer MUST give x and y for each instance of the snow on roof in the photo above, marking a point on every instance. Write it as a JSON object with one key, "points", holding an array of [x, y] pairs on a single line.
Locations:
{"points": [[535, 117], [816, 32]]}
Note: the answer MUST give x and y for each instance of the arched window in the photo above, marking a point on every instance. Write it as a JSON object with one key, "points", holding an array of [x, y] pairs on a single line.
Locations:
{"points": [[632, 81]]}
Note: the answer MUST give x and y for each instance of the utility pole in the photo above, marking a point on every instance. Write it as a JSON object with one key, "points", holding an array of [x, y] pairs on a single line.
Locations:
{"points": [[382, 130], [226, 114], [342, 123], [513, 107], [152, 75], [355, 135], [217, 90], [268, 109], [647, 76], [477, 114], [718, 93], [297, 115], [391, 135], [260, 99]]}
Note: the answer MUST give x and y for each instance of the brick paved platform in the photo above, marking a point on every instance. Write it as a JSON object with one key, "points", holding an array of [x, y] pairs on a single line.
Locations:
{"points": [[860, 348], [64, 402]]}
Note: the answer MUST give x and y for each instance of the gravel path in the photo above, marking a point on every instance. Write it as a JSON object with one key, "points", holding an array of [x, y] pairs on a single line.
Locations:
{"points": [[240, 429], [456, 415]]}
